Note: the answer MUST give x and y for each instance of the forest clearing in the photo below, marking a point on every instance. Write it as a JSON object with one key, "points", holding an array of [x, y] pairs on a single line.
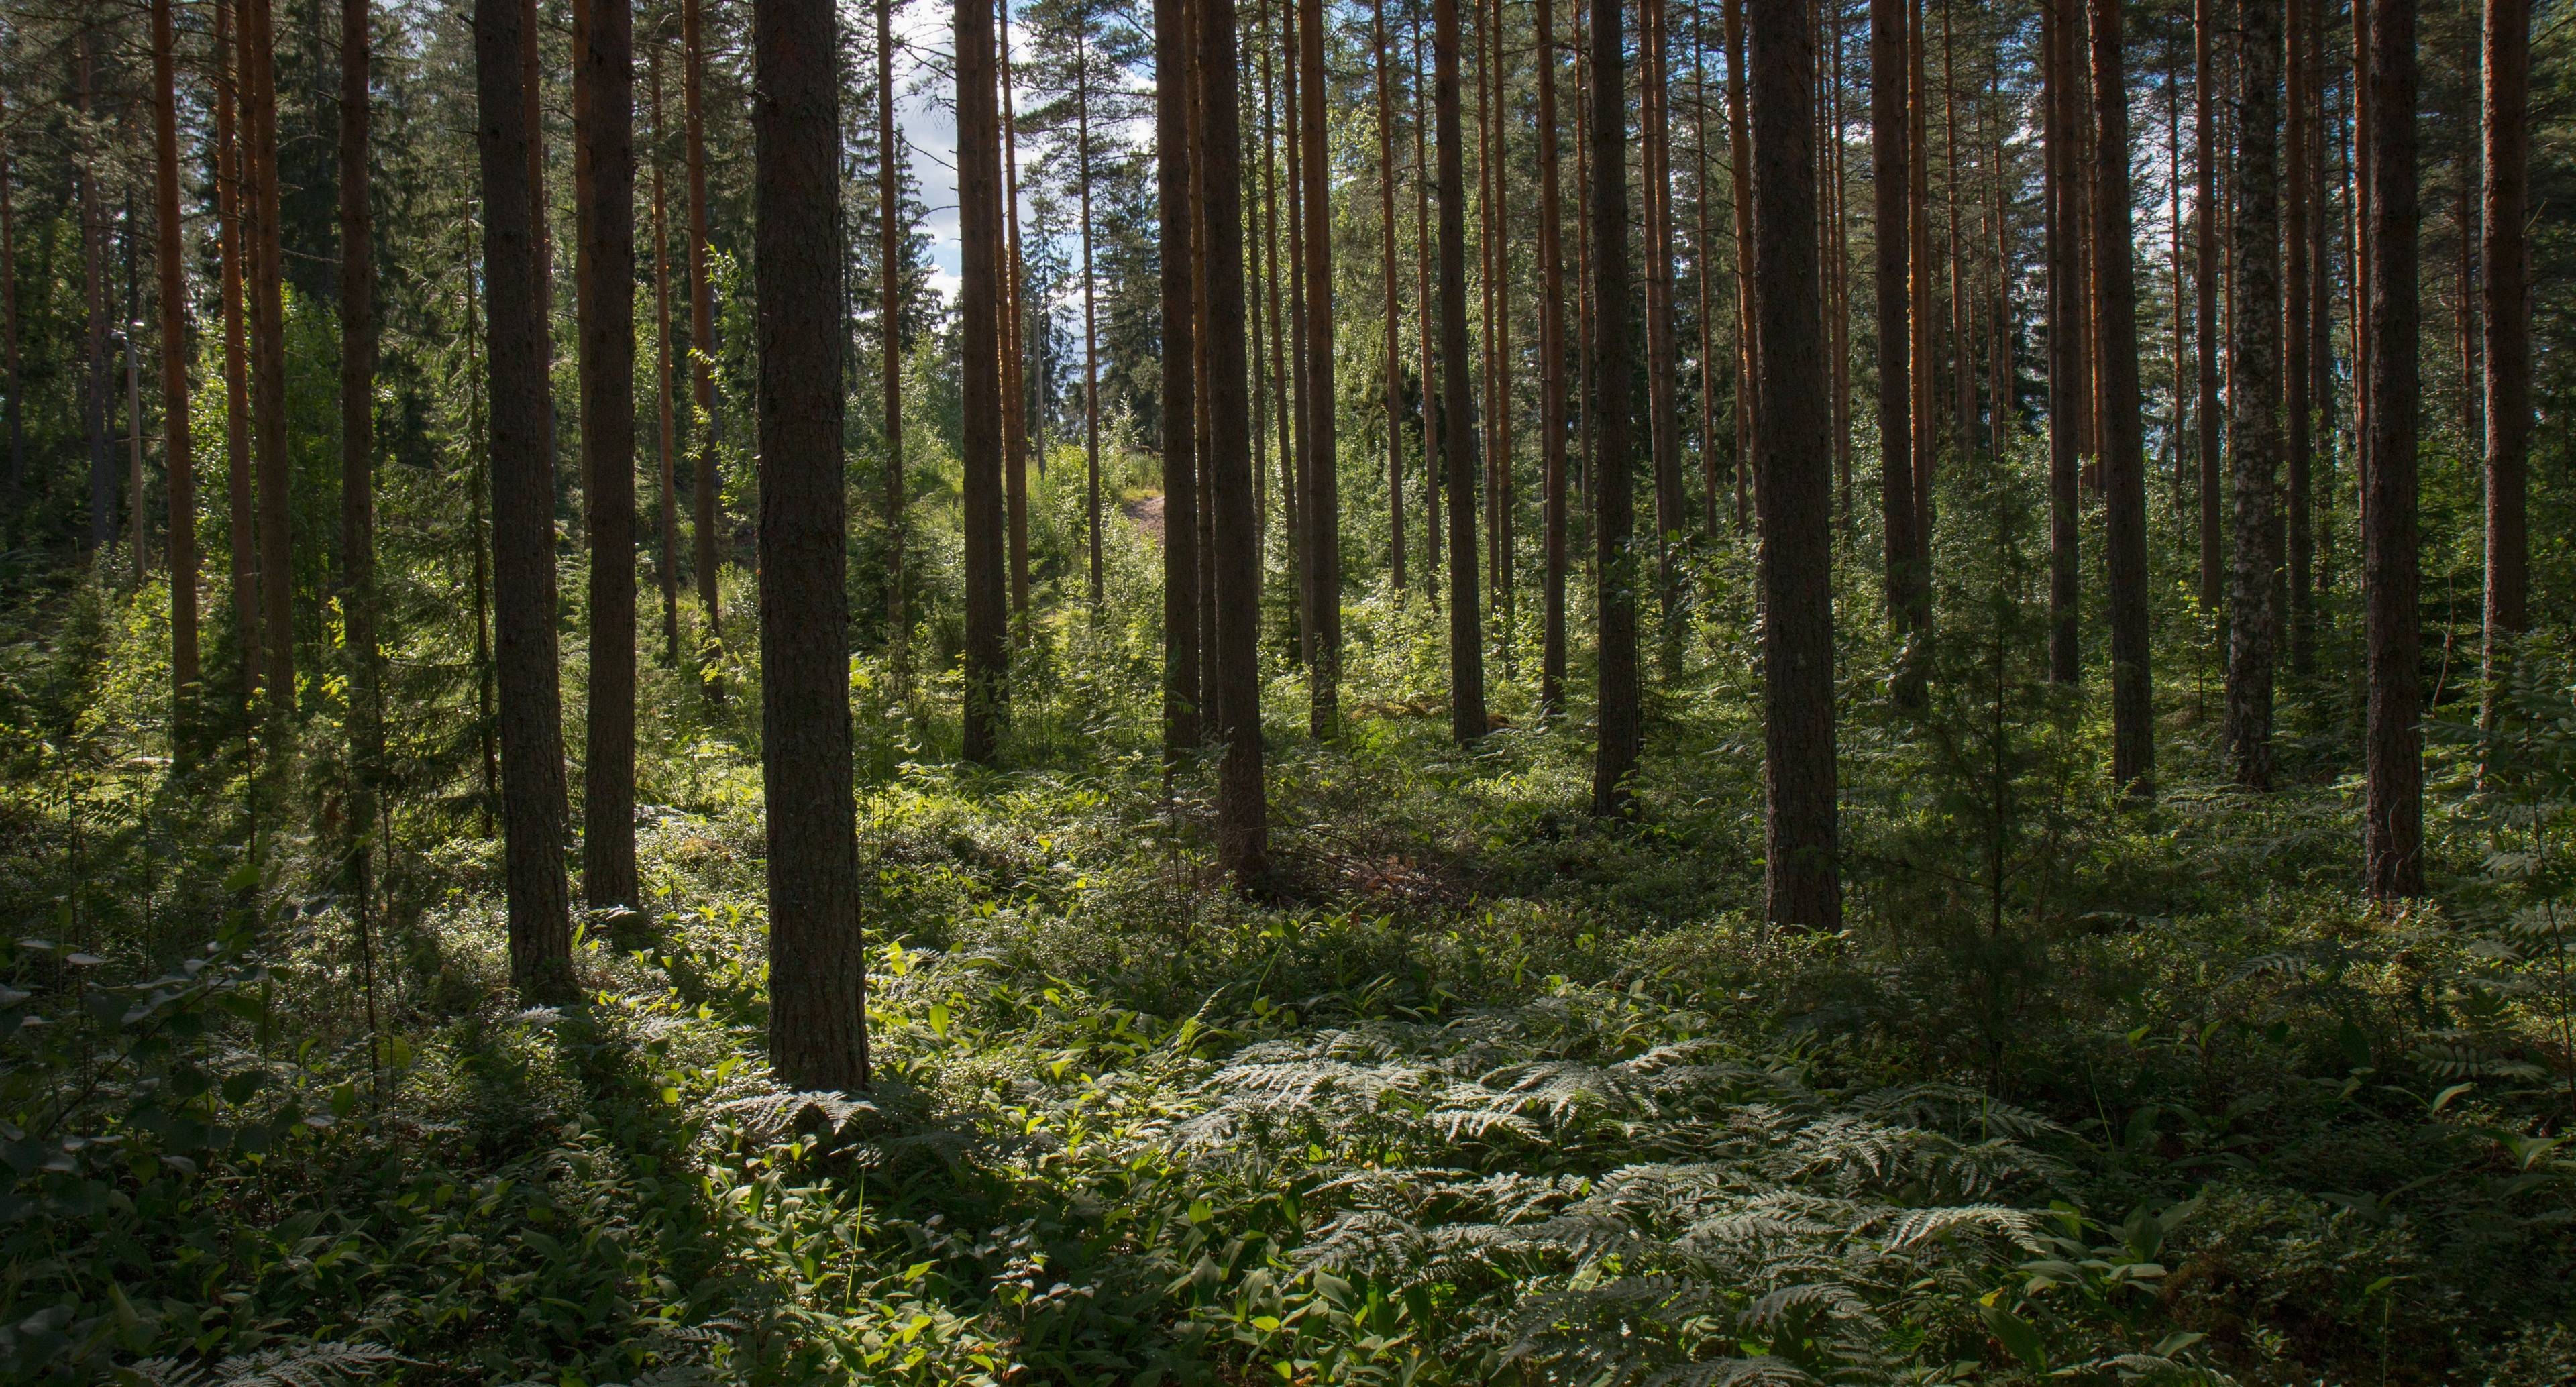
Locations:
{"points": [[1628, 694]]}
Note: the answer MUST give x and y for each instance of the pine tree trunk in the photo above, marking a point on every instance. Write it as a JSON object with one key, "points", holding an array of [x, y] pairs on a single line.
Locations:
{"points": [[1323, 509], [1015, 394], [2206, 274], [890, 346], [1090, 321], [94, 408], [177, 461], [268, 355], [604, 121], [1748, 340], [2124, 453], [1551, 340], [2066, 403], [1243, 830], [2506, 88], [1394, 305], [1672, 513], [1615, 608], [1704, 270], [1426, 314], [1172, 137], [523, 499], [357, 443], [2393, 814], [1300, 484], [13, 487], [665, 567], [818, 1035], [2297, 443], [1801, 885], [1457, 438], [240, 494], [1501, 491], [1889, 143], [979, 212], [706, 512]]}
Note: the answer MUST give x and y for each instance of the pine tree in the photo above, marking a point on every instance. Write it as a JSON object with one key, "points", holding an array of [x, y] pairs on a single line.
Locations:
{"points": [[979, 211], [1243, 829], [523, 497], [1615, 606], [177, 458], [2124, 461], [1457, 439], [817, 962], [604, 130], [1173, 133], [2393, 738], [2506, 254], [1801, 885], [705, 510]]}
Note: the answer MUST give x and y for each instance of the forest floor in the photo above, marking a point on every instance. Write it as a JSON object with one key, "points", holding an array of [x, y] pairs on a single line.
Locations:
{"points": [[1477, 1089]]}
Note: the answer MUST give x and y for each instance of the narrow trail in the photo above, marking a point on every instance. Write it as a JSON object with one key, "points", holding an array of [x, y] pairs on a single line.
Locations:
{"points": [[1146, 515]]}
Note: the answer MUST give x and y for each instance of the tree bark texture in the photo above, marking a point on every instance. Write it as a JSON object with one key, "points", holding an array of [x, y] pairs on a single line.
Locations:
{"points": [[817, 959]]}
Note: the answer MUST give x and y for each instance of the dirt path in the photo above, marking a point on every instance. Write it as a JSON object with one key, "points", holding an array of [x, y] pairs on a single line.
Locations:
{"points": [[1147, 516]]}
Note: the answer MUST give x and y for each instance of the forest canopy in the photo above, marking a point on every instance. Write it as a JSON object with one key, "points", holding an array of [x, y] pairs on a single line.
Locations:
{"points": [[1355, 691]]}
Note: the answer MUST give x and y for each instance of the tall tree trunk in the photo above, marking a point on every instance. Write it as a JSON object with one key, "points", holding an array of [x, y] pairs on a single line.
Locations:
{"points": [[94, 408], [1394, 304], [1243, 830], [818, 1036], [357, 444], [1748, 339], [1300, 485], [1963, 378], [1426, 314], [1502, 489], [666, 565], [1015, 394], [1173, 131], [2124, 453], [890, 347], [240, 495], [1704, 270], [1801, 886], [1663, 416], [2206, 274], [1090, 318], [2393, 817], [1323, 509], [137, 516], [1615, 605], [478, 535], [979, 210], [2299, 115], [2364, 265], [268, 355], [13, 490], [1551, 383], [1457, 438], [176, 454], [523, 499], [2179, 419], [2066, 403], [604, 120], [1889, 159], [1918, 231], [2506, 96], [1280, 374], [706, 545]]}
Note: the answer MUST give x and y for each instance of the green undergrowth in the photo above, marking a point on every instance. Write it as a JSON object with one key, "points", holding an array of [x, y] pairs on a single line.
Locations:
{"points": [[1473, 1089]]}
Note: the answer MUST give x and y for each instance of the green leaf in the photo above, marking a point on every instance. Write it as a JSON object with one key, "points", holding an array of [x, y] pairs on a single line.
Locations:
{"points": [[2016, 1335]]}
